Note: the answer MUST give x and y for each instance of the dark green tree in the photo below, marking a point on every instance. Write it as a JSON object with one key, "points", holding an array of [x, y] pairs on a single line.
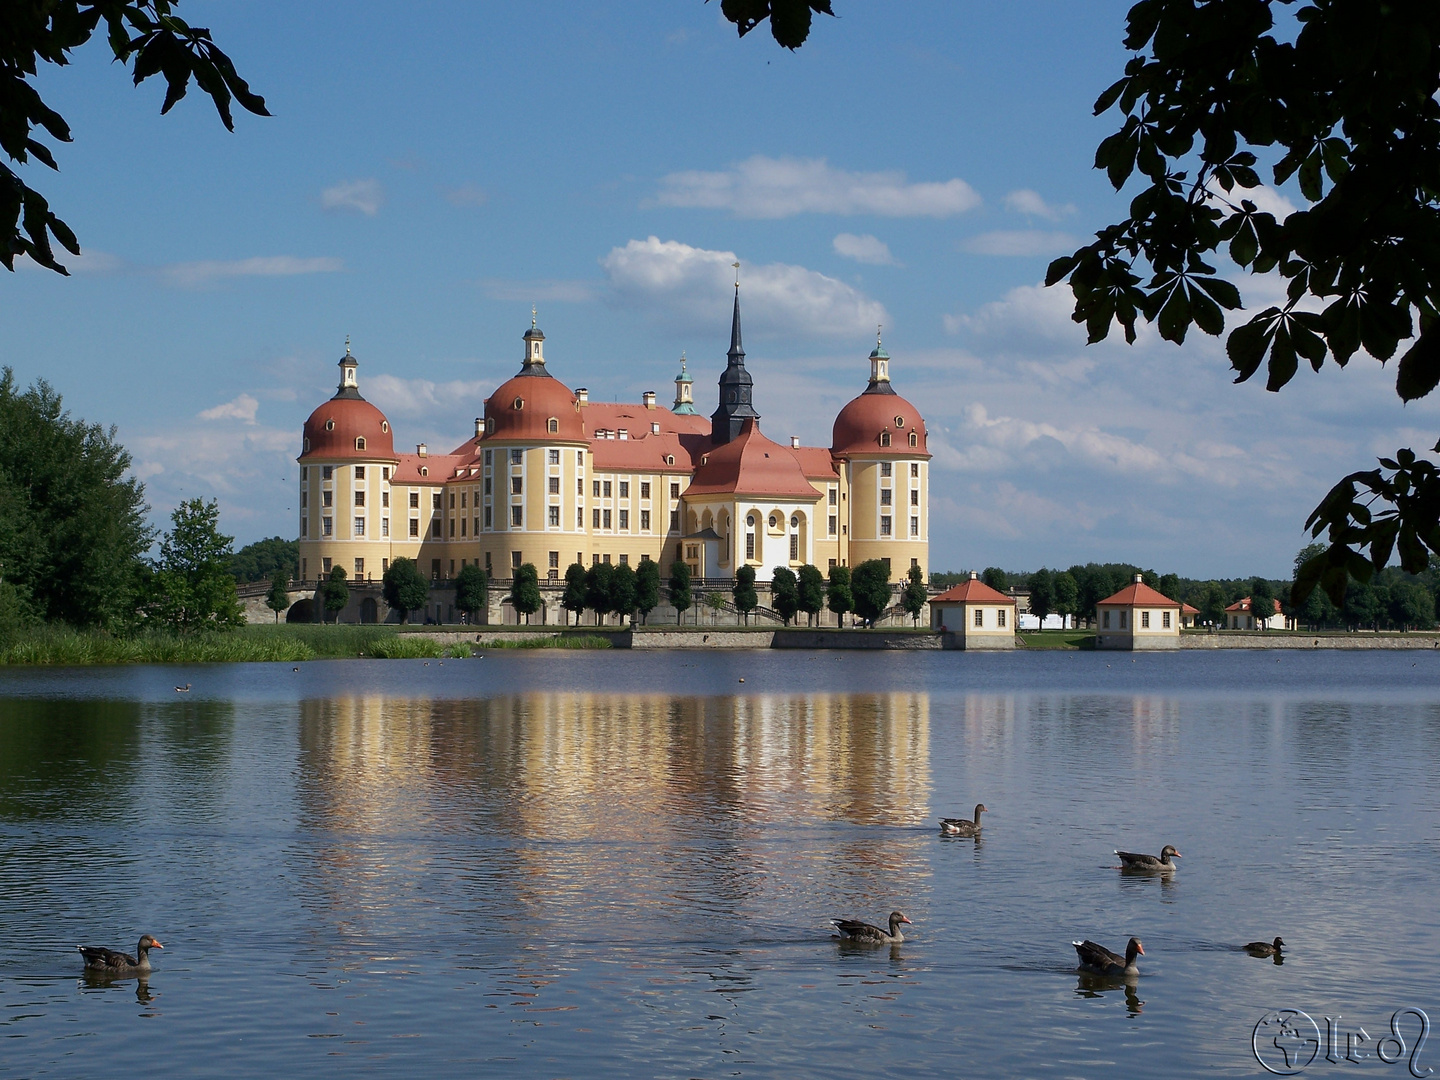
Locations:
{"points": [[1212, 604], [680, 597], [1262, 602], [1316, 609], [1412, 606], [145, 31], [1169, 586], [334, 594], [574, 598], [838, 596], [193, 589], [73, 533], [525, 591], [623, 592], [647, 588], [1042, 594], [1067, 594], [784, 593], [405, 588], [472, 591], [278, 599], [597, 590], [744, 594], [261, 560], [996, 578], [1365, 604], [870, 585], [812, 591], [913, 596]]}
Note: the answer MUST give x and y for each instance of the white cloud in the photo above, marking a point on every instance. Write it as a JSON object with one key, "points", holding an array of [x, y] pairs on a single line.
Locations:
{"points": [[1033, 313], [466, 195], [197, 274], [864, 249], [1019, 242], [763, 187], [692, 286], [364, 196], [1025, 201], [1266, 199], [422, 397], [242, 408], [530, 292]]}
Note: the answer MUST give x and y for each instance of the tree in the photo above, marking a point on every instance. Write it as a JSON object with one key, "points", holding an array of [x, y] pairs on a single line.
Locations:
{"points": [[1067, 594], [597, 590], [680, 598], [31, 33], [193, 588], [334, 593], [261, 560], [622, 592], [525, 591], [784, 593], [838, 597], [746, 599], [870, 584], [647, 588], [1169, 586], [1042, 594], [277, 599], [405, 588], [1212, 605], [1262, 602], [812, 591], [996, 578], [716, 603], [913, 596], [1412, 606], [575, 590], [472, 590], [73, 533]]}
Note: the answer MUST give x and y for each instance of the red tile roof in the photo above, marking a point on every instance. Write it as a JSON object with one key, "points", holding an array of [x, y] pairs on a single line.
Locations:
{"points": [[816, 462], [1138, 594], [750, 464], [440, 467], [1186, 609], [973, 591], [1243, 605]]}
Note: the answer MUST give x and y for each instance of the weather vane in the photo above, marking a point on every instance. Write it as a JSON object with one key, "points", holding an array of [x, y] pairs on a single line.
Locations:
{"points": [[682, 361], [878, 328], [347, 344], [533, 314]]}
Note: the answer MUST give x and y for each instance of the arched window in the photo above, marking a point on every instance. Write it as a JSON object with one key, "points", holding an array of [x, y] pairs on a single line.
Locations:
{"points": [[360, 442], [424, 470], [307, 446], [669, 459], [489, 425], [884, 438], [329, 425], [914, 438], [385, 427], [553, 425], [519, 403]]}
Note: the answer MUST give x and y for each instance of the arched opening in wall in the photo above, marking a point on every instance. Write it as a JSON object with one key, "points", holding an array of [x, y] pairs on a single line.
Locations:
{"points": [[798, 545], [692, 522], [302, 611], [369, 610], [752, 544], [707, 520], [722, 526]]}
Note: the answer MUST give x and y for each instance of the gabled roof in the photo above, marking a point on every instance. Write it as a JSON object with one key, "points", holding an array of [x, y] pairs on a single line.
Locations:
{"points": [[440, 467], [1186, 609], [750, 464], [1138, 594], [1243, 605], [973, 591], [816, 462]]}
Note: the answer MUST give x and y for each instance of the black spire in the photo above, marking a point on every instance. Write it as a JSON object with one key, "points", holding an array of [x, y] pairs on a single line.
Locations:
{"points": [[735, 388]]}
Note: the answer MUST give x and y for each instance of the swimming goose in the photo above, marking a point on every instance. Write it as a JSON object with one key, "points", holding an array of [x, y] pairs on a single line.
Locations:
{"points": [[108, 960], [1131, 861], [1099, 960], [1265, 948], [852, 930], [183, 689], [952, 826]]}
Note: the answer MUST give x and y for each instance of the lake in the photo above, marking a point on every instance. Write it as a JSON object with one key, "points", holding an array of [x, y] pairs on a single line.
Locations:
{"points": [[616, 864]]}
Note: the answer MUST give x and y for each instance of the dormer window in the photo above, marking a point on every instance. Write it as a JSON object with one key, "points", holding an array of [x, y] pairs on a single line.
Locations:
{"points": [[669, 459], [329, 425], [914, 438], [385, 427], [360, 442], [489, 425], [424, 470], [552, 425], [899, 421], [884, 438], [307, 446]]}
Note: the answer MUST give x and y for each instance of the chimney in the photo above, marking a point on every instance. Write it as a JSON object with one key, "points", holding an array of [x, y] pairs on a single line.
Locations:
{"points": [[421, 449], [974, 576], [1139, 578], [624, 434], [583, 394], [794, 442], [479, 426], [649, 397]]}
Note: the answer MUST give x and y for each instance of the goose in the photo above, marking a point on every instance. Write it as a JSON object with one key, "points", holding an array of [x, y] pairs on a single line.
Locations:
{"points": [[1132, 861], [183, 689], [108, 960], [950, 826], [1098, 960], [1265, 948], [853, 930]]}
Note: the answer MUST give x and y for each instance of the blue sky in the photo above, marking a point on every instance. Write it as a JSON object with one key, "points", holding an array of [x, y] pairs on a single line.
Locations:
{"points": [[422, 183]]}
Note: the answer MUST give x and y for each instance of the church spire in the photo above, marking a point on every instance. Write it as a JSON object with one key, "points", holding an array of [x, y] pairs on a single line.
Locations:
{"points": [[736, 386], [737, 350]]}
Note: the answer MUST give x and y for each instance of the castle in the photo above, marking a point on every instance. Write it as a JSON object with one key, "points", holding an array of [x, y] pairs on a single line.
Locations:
{"points": [[551, 478]]}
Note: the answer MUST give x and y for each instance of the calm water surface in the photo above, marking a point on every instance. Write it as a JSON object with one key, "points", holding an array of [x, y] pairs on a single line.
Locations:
{"points": [[622, 865]]}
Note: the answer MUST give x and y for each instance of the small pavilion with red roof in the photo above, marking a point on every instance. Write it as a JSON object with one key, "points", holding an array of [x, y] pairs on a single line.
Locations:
{"points": [[980, 617], [1137, 617]]}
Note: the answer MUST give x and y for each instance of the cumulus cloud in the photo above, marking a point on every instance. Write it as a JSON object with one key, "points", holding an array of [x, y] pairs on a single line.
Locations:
{"points": [[362, 196], [1026, 315], [191, 275], [242, 408], [691, 286], [864, 249], [764, 187], [1266, 199], [423, 397], [1019, 242], [1030, 203]]}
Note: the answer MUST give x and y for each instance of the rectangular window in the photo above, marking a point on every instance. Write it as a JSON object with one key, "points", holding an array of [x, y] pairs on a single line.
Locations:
{"points": [[554, 517], [327, 526], [435, 501], [359, 472], [834, 496], [489, 458], [325, 565], [304, 527], [304, 499], [385, 498], [644, 520], [462, 526], [624, 519], [487, 561], [794, 546], [489, 519], [452, 500], [605, 519], [1123, 616], [517, 518], [384, 526], [327, 498], [384, 565], [359, 498], [359, 568], [580, 486], [579, 459], [885, 468], [579, 517], [477, 526], [1000, 618], [749, 545], [596, 523], [515, 482], [517, 456], [674, 491], [414, 526], [915, 468], [884, 526], [554, 485], [884, 496], [831, 524], [595, 485], [414, 500], [452, 527], [624, 489], [624, 560], [674, 520], [979, 616], [385, 475], [435, 529], [644, 489], [1144, 620], [327, 472], [914, 526], [304, 472], [514, 560], [487, 485], [462, 501], [554, 457], [1165, 620], [435, 569], [914, 496], [1105, 620], [605, 488], [555, 558]]}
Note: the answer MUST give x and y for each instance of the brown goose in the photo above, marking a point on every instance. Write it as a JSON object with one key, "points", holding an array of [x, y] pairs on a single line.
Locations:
{"points": [[1099, 960], [108, 960], [1265, 948], [852, 930], [958, 826], [1130, 860]]}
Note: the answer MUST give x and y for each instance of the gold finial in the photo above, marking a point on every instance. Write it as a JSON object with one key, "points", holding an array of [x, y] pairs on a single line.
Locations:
{"points": [[347, 344], [533, 314], [736, 265]]}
